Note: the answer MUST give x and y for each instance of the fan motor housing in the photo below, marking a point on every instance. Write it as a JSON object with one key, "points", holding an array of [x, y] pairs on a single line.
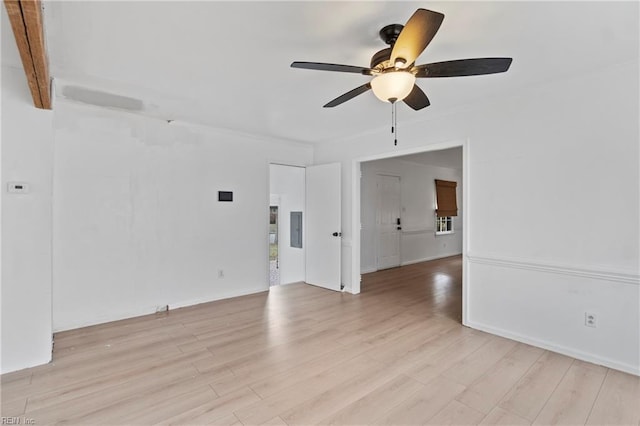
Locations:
{"points": [[379, 58], [389, 34]]}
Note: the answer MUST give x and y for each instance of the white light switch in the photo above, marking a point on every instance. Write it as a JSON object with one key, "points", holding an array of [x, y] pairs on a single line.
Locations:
{"points": [[18, 188]]}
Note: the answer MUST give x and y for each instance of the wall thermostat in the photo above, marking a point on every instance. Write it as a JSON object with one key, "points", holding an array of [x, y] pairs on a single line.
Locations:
{"points": [[18, 188], [225, 196]]}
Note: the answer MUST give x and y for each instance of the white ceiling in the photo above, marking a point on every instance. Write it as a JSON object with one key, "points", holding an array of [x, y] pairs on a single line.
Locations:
{"points": [[226, 64]]}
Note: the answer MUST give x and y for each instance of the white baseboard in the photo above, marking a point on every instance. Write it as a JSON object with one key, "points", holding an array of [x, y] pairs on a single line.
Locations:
{"points": [[427, 259], [574, 353], [370, 269], [194, 302], [127, 314]]}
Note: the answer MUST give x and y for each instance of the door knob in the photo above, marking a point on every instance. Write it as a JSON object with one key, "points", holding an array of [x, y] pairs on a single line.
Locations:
{"points": [[337, 234]]}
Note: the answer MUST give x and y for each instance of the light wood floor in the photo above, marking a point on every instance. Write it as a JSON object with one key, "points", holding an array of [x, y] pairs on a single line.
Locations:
{"points": [[396, 354]]}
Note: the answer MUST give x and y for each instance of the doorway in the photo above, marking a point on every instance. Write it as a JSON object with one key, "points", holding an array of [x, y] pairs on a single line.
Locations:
{"points": [[286, 236], [421, 239], [308, 239]]}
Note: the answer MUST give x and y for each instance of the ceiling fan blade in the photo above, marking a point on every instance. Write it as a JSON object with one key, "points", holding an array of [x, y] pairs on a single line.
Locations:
{"points": [[464, 67], [416, 36], [349, 95], [331, 67], [417, 98]]}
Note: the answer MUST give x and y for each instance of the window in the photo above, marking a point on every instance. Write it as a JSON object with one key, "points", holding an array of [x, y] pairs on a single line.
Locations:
{"points": [[444, 225], [446, 206], [446, 198]]}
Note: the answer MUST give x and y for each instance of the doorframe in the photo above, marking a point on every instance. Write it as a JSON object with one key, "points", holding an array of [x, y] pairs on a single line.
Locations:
{"points": [[376, 241], [356, 222]]}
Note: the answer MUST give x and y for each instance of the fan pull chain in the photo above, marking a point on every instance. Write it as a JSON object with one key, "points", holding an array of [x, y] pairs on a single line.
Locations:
{"points": [[394, 123]]}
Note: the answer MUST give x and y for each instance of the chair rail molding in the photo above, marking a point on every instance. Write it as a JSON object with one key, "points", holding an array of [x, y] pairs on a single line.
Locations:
{"points": [[603, 274]]}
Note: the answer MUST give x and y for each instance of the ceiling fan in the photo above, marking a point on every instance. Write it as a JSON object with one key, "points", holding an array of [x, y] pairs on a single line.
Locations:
{"points": [[394, 71]]}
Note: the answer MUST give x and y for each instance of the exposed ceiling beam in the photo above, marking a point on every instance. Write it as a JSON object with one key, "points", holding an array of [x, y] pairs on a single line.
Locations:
{"points": [[26, 22]]}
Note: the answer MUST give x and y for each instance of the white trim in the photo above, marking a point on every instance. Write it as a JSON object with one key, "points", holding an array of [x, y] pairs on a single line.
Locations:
{"points": [[369, 270], [416, 150], [585, 356], [466, 205], [430, 258], [556, 268], [356, 227]]}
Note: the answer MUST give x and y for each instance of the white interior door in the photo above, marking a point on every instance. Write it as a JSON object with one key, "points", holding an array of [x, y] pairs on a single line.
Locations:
{"points": [[323, 227], [388, 222]]}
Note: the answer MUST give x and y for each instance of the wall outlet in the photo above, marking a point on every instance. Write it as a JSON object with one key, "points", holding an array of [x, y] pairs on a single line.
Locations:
{"points": [[590, 319], [220, 273], [163, 308]]}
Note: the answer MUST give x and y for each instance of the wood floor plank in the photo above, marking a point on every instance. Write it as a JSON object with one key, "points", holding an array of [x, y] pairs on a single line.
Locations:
{"points": [[403, 344], [473, 366], [319, 407], [446, 357], [376, 403], [531, 392], [13, 407], [152, 409], [429, 348], [16, 378], [276, 421], [572, 400], [498, 416], [307, 388], [71, 390], [214, 411], [618, 402], [274, 363], [306, 371], [424, 404], [488, 390], [101, 403], [456, 413]]}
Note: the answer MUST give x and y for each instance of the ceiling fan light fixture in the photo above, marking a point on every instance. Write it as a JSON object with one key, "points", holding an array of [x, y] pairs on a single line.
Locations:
{"points": [[393, 85]]}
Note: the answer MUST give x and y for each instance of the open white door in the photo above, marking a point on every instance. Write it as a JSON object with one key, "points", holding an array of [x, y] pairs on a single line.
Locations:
{"points": [[323, 226], [388, 222]]}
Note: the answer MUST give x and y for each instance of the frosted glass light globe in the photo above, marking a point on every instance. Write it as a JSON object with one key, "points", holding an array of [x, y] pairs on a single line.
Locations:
{"points": [[393, 85]]}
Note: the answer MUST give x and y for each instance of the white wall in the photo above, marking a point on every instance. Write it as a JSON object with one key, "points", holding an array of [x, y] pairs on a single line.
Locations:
{"points": [[136, 221], [549, 169], [287, 183], [27, 151], [418, 241]]}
